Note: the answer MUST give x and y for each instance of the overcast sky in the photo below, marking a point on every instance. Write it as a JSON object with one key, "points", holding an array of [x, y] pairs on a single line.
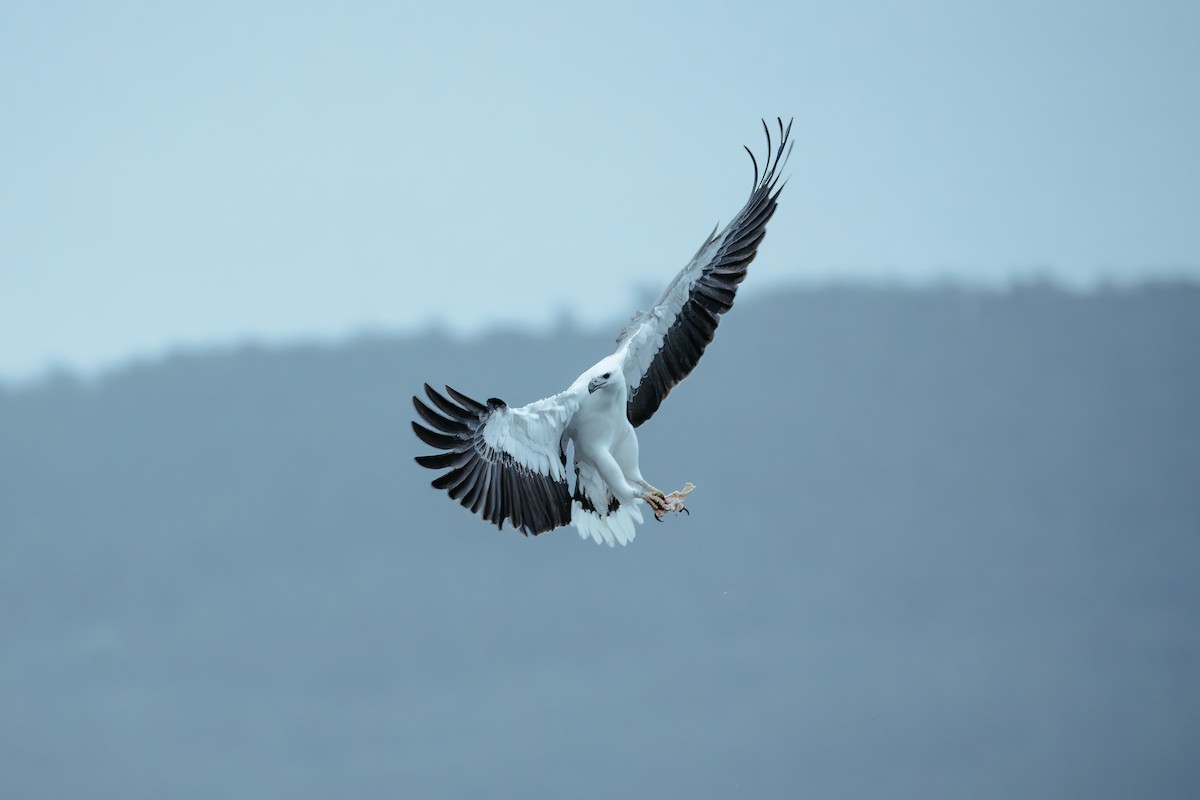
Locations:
{"points": [[175, 175]]}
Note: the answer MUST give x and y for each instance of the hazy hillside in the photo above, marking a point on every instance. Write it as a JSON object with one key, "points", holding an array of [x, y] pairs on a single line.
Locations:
{"points": [[944, 544]]}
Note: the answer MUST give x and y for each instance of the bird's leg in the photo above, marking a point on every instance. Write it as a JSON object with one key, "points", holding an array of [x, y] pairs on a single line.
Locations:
{"points": [[657, 502], [655, 499], [656, 492]]}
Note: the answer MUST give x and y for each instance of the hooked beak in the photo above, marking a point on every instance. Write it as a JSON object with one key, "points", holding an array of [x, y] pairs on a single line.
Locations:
{"points": [[594, 384]]}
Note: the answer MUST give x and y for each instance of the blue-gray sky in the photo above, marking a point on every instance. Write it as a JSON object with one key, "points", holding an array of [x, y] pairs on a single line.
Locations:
{"points": [[196, 174]]}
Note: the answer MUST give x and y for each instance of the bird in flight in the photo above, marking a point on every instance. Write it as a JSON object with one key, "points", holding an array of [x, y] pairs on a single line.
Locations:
{"points": [[511, 464]]}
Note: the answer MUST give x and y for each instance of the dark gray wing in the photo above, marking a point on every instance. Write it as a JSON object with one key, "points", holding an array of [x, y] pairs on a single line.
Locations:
{"points": [[504, 463], [663, 345]]}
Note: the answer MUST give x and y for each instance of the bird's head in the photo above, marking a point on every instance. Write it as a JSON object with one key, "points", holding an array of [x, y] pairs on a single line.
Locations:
{"points": [[598, 381]]}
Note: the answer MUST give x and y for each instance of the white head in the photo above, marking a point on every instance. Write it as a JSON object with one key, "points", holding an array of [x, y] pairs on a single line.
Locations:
{"points": [[606, 375], [598, 382]]}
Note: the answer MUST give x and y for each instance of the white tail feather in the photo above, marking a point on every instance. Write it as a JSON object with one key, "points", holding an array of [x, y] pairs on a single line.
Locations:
{"points": [[618, 527]]}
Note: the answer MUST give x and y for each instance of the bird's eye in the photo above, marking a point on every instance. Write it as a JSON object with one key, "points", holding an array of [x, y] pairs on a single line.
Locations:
{"points": [[605, 375]]}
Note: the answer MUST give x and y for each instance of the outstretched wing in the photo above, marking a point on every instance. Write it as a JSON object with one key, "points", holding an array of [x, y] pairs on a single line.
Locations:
{"points": [[504, 463], [664, 344]]}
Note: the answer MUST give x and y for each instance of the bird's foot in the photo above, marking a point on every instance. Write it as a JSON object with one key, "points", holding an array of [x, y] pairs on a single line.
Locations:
{"points": [[654, 491], [663, 504], [657, 503]]}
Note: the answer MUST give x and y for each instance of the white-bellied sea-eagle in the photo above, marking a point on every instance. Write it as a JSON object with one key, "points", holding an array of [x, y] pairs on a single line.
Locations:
{"points": [[510, 464]]}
